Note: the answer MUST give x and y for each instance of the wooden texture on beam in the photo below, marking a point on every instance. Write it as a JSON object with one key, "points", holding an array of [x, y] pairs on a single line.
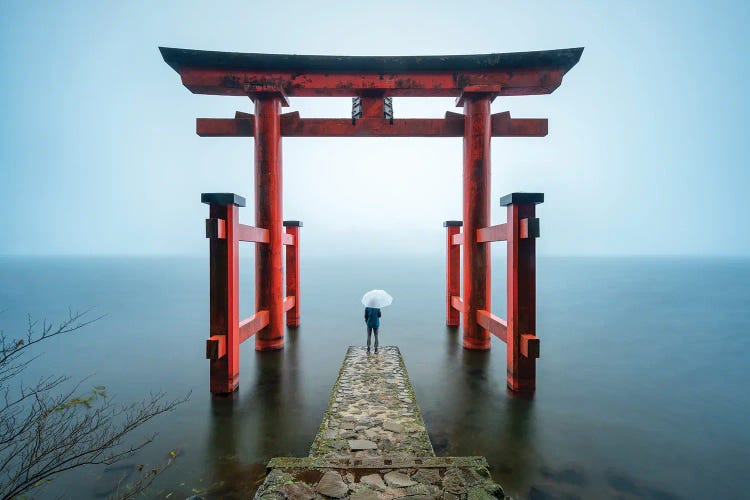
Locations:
{"points": [[505, 126], [254, 234], [496, 326], [243, 125], [253, 324], [216, 345], [233, 82], [492, 233]]}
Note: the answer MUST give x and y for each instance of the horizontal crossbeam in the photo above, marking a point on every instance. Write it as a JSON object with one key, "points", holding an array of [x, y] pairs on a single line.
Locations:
{"points": [[252, 325], [243, 125], [458, 239], [492, 233], [253, 234], [216, 345], [496, 326], [407, 84], [217, 228]]}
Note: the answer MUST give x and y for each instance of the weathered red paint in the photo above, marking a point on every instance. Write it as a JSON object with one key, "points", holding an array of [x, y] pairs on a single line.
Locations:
{"points": [[452, 272], [521, 296], [224, 299], [530, 81], [475, 80], [294, 126], [476, 215], [292, 275], [216, 345], [372, 105], [269, 274]]}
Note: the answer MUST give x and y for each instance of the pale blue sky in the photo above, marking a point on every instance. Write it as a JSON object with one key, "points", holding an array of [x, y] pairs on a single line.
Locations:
{"points": [[647, 150]]}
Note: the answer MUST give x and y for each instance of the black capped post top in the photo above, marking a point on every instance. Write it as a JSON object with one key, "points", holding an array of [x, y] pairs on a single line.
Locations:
{"points": [[521, 199], [292, 223], [450, 223], [222, 199]]}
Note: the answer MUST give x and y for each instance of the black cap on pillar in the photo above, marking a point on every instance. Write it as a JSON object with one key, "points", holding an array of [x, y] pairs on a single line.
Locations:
{"points": [[522, 199], [222, 199]]}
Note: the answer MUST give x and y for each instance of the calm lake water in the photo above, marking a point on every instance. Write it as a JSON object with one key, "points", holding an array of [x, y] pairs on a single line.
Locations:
{"points": [[642, 382]]}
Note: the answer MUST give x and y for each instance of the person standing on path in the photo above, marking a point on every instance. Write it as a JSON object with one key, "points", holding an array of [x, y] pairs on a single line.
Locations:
{"points": [[372, 320]]}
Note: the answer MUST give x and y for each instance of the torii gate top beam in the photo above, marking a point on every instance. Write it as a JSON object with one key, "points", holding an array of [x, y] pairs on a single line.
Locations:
{"points": [[238, 74]]}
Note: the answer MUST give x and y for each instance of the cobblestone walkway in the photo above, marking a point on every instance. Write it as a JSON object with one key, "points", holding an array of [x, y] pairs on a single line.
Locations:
{"points": [[372, 411], [373, 445]]}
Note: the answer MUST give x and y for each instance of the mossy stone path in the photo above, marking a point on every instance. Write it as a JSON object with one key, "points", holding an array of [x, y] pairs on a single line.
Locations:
{"points": [[373, 444]]}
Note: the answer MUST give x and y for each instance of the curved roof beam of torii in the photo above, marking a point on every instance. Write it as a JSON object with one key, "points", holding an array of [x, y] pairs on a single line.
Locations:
{"points": [[232, 73]]}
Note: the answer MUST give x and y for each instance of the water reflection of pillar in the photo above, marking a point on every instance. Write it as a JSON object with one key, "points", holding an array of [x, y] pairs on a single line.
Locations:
{"points": [[451, 346], [516, 461], [222, 444], [275, 402], [491, 422]]}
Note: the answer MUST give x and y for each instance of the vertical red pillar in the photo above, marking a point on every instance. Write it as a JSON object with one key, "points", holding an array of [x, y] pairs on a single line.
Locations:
{"points": [[223, 231], [269, 273], [522, 343], [476, 215], [292, 272], [452, 271]]}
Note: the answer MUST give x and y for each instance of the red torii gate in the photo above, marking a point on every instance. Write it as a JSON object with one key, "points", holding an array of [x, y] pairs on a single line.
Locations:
{"points": [[269, 80]]}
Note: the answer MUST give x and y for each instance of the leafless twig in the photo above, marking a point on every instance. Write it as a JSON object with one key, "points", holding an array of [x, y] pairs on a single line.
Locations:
{"points": [[46, 430]]}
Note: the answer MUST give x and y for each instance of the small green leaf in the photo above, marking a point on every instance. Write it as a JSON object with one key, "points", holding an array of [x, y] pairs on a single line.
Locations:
{"points": [[99, 387]]}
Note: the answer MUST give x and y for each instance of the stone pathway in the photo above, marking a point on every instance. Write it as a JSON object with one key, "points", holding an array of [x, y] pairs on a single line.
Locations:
{"points": [[373, 445], [372, 411]]}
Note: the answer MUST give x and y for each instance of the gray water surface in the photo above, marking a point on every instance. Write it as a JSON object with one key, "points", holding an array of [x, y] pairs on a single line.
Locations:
{"points": [[642, 381]]}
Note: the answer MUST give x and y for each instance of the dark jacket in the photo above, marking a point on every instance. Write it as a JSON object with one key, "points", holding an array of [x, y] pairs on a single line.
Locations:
{"points": [[372, 315]]}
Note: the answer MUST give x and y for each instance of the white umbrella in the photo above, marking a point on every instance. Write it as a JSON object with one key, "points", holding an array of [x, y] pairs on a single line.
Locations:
{"points": [[377, 298]]}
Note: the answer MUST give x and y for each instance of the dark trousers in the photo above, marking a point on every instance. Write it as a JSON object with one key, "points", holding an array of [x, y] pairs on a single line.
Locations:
{"points": [[369, 332]]}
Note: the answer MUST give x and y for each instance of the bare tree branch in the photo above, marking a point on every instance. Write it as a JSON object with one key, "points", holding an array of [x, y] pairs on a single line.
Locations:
{"points": [[46, 431]]}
